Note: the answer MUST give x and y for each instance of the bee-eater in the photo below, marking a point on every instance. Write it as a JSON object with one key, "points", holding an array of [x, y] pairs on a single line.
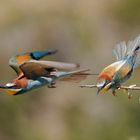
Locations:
{"points": [[120, 71], [33, 73]]}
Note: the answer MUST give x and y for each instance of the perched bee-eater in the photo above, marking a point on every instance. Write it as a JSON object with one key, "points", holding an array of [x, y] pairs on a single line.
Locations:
{"points": [[33, 73], [128, 58]]}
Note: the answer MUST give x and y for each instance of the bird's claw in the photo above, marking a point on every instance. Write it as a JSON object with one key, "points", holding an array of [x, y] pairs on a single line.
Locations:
{"points": [[52, 85], [130, 95], [114, 93]]}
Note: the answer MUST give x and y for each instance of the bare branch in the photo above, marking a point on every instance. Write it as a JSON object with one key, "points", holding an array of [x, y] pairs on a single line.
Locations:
{"points": [[88, 86], [131, 87]]}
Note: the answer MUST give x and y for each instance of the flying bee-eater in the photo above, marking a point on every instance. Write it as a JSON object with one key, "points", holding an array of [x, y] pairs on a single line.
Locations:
{"points": [[34, 73]]}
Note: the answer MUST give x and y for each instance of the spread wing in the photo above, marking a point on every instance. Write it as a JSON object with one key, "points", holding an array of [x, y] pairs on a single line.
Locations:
{"points": [[33, 69], [19, 59]]}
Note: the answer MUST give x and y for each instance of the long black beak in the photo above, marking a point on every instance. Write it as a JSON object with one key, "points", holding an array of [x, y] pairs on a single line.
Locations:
{"points": [[99, 89], [8, 86], [5, 87]]}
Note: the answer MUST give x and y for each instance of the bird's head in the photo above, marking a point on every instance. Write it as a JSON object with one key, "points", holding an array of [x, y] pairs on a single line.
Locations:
{"points": [[11, 88], [102, 83]]}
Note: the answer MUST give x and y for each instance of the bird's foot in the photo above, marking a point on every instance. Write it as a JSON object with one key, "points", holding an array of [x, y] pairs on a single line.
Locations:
{"points": [[52, 85], [130, 95], [114, 93]]}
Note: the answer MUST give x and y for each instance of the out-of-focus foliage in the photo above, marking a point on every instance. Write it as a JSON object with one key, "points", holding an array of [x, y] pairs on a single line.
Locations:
{"points": [[84, 32], [127, 12]]}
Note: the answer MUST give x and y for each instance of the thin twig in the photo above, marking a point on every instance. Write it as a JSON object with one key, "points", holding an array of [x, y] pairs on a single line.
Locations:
{"points": [[88, 86]]}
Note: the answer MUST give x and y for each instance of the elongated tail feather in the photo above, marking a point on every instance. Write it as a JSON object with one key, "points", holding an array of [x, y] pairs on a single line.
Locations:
{"points": [[74, 76], [57, 65]]}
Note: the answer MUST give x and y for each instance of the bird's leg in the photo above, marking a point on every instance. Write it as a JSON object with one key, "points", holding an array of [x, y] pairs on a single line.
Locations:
{"points": [[20, 76], [52, 85], [114, 93], [129, 94]]}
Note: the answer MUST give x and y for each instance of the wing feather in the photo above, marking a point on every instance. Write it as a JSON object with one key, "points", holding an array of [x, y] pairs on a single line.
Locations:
{"points": [[34, 69], [55, 64], [19, 59], [120, 50]]}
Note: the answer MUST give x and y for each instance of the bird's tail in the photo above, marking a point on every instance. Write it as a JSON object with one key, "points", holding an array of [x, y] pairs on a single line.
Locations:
{"points": [[74, 76], [131, 49], [120, 50], [133, 46], [134, 51]]}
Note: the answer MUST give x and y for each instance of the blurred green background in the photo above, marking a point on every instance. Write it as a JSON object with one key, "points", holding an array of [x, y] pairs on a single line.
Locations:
{"points": [[84, 32]]}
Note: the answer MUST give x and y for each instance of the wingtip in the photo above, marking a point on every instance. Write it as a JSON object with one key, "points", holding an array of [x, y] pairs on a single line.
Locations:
{"points": [[50, 52]]}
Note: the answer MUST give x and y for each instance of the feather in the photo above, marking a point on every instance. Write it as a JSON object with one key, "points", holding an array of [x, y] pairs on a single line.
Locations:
{"points": [[133, 45], [76, 77], [40, 54], [131, 49], [19, 59], [134, 49], [73, 76], [34, 69], [137, 62], [120, 51], [54, 64]]}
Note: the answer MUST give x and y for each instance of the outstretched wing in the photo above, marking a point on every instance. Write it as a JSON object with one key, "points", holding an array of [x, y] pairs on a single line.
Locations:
{"points": [[17, 60], [34, 69]]}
